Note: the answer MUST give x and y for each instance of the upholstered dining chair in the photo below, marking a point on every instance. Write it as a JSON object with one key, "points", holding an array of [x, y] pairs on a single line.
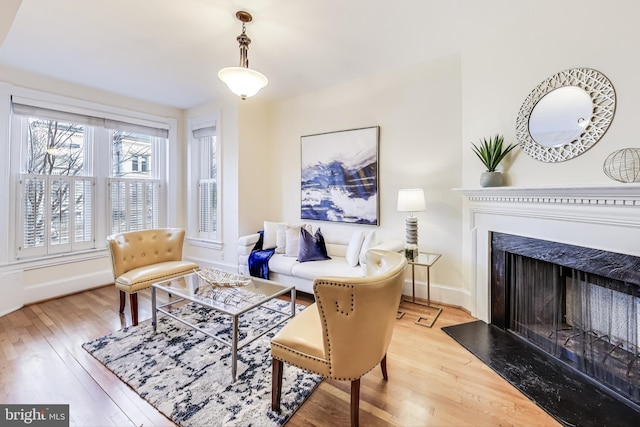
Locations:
{"points": [[141, 258], [347, 331]]}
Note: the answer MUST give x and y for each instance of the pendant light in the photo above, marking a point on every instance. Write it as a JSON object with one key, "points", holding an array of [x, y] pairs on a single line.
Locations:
{"points": [[242, 80]]}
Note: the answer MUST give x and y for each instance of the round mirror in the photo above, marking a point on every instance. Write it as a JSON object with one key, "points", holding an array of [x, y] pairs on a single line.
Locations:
{"points": [[565, 115], [560, 116]]}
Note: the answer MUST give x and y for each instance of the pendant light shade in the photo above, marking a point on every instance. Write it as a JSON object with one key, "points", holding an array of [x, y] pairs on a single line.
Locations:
{"points": [[242, 80]]}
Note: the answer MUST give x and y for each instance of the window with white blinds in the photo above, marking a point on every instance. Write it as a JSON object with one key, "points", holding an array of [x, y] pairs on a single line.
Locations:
{"points": [[68, 157], [207, 219], [204, 166], [58, 214], [134, 204]]}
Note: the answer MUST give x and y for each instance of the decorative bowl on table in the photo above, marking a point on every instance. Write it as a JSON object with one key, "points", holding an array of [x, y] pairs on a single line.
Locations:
{"points": [[223, 279]]}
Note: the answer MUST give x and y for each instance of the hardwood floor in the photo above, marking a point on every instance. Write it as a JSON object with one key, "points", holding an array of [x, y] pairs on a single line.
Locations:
{"points": [[433, 381]]}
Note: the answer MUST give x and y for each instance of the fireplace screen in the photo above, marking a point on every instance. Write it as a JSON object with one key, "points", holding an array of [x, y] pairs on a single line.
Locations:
{"points": [[586, 320]]}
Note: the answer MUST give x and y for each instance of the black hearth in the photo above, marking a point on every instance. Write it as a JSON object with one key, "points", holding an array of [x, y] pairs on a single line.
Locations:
{"points": [[581, 306]]}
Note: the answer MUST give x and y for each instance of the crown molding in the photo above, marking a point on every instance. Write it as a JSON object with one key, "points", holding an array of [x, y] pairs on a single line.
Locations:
{"points": [[600, 195]]}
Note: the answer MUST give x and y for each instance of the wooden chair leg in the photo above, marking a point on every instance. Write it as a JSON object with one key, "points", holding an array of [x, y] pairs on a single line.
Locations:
{"points": [[123, 298], [355, 402], [134, 308], [276, 385], [383, 366]]}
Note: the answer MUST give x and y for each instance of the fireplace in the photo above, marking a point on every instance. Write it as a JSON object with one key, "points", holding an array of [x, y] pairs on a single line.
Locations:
{"points": [[580, 305], [593, 218]]}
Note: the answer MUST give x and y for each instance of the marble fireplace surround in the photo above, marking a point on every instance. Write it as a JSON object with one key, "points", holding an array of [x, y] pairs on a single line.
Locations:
{"points": [[605, 217]]}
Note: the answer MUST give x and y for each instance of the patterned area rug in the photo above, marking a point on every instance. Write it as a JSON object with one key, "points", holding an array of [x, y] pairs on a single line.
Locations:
{"points": [[187, 375]]}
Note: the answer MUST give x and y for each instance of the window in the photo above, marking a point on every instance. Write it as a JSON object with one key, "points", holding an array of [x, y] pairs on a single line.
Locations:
{"points": [[204, 179], [57, 195], [64, 163], [130, 154], [134, 204], [134, 191], [140, 164]]}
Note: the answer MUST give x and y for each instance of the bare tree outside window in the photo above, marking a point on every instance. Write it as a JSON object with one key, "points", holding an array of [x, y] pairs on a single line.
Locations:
{"points": [[53, 148]]}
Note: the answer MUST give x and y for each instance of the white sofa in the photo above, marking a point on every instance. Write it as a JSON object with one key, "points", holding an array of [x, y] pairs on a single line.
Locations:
{"points": [[346, 248]]}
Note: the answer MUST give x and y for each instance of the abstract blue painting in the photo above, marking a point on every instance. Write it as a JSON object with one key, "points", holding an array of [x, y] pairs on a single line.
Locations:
{"points": [[339, 176]]}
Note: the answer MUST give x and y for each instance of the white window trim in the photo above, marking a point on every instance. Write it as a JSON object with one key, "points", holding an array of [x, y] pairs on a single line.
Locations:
{"points": [[10, 179], [193, 177]]}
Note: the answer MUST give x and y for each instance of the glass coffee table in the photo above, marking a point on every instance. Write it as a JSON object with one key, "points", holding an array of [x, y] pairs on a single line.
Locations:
{"points": [[231, 301]]}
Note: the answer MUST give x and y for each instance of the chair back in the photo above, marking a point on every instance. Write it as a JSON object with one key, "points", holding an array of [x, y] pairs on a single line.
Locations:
{"points": [[134, 249], [358, 314]]}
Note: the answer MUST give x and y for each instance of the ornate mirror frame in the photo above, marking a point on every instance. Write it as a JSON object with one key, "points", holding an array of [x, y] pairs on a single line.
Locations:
{"points": [[603, 98]]}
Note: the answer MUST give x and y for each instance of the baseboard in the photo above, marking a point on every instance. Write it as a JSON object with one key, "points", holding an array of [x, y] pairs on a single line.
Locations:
{"points": [[443, 294], [65, 286], [208, 263]]}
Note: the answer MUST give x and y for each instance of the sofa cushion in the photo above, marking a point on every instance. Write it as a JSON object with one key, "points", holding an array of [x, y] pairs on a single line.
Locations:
{"points": [[330, 267], [270, 235], [312, 247], [370, 240], [353, 250], [281, 238], [282, 264], [292, 237]]}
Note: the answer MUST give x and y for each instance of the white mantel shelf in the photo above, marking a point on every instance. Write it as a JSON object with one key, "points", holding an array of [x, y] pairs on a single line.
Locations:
{"points": [[600, 216], [601, 195]]}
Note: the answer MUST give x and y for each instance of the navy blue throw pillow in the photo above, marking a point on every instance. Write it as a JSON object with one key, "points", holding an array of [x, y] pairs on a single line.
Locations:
{"points": [[312, 248]]}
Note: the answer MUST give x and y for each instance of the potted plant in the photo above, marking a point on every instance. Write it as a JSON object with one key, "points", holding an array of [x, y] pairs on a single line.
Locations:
{"points": [[491, 152]]}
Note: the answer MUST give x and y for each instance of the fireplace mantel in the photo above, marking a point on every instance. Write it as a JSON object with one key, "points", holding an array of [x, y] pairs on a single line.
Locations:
{"points": [[615, 195], [604, 217]]}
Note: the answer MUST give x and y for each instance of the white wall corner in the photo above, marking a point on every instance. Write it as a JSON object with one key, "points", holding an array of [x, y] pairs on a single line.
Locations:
{"points": [[12, 290]]}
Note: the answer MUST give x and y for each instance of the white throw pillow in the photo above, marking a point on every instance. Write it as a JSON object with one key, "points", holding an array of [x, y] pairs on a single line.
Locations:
{"points": [[269, 239], [292, 237], [370, 240], [353, 250], [281, 239]]}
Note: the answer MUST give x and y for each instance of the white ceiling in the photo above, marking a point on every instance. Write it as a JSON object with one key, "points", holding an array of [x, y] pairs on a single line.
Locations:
{"points": [[169, 51]]}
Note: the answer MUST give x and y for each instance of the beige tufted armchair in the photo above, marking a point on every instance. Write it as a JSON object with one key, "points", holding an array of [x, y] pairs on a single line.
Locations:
{"points": [[347, 331], [141, 258]]}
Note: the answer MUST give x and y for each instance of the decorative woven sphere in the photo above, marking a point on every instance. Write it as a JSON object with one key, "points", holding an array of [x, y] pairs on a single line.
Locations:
{"points": [[623, 165]]}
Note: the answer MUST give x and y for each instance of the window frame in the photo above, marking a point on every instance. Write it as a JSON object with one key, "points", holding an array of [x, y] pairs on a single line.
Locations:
{"points": [[198, 167], [167, 161]]}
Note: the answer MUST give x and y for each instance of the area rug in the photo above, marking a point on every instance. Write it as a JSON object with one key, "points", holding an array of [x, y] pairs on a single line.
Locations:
{"points": [[187, 375]]}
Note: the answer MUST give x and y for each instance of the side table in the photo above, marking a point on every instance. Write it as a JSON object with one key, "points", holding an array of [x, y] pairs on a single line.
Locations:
{"points": [[424, 259]]}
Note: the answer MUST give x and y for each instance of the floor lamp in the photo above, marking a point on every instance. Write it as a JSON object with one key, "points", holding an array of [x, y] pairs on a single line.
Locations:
{"points": [[411, 200]]}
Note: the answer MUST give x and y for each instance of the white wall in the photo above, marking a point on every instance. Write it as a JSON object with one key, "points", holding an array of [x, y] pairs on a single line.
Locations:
{"points": [[499, 72], [246, 169], [428, 115], [418, 110]]}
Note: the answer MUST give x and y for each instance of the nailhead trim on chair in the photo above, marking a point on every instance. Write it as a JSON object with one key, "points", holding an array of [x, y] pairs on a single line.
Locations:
{"points": [[324, 319], [306, 356], [158, 278]]}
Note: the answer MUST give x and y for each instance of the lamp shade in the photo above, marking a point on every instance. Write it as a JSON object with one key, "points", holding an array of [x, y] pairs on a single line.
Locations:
{"points": [[242, 81], [411, 200]]}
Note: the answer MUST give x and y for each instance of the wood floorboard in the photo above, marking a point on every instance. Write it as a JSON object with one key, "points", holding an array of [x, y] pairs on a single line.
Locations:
{"points": [[433, 381]]}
